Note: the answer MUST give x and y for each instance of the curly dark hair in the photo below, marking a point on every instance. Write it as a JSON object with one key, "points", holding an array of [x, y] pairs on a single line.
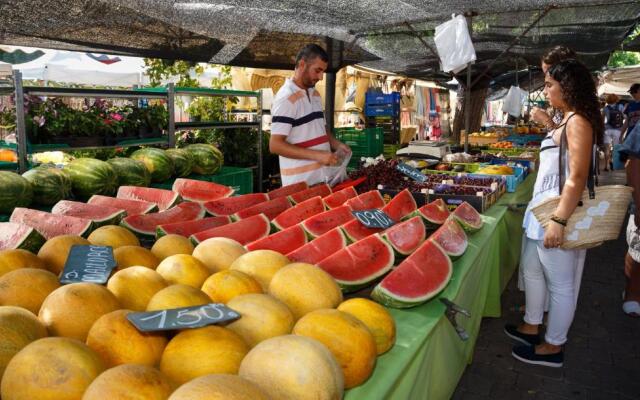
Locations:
{"points": [[579, 92], [557, 54]]}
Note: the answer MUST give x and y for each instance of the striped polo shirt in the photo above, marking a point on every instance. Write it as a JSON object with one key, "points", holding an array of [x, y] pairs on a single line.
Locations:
{"points": [[297, 114]]}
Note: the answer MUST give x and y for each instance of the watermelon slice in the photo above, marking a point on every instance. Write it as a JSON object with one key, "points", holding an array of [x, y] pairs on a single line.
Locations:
{"points": [[354, 230], [14, 235], [360, 263], [200, 191], [270, 209], [321, 190], [188, 228], [299, 213], [336, 199], [51, 225], [131, 207], [320, 248], [322, 223], [366, 201], [284, 242], [451, 237], [434, 213], [288, 190], [400, 206], [468, 217], [100, 215], [230, 205], [244, 231], [417, 279], [406, 236], [165, 199], [146, 224]]}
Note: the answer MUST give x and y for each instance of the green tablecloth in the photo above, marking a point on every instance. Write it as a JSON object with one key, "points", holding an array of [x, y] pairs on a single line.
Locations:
{"points": [[428, 358]]}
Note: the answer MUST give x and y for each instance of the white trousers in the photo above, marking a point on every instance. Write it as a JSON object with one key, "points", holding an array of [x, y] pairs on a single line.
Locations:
{"points": [[556, 273]]}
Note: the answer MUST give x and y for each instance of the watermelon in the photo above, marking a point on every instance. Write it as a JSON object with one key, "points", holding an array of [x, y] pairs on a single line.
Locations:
{"points": [[366, 201], [188, 228], [182, 162], [285, 191], [230, 205], [207, 159], [158, 163], [49, 184], [320, 248], [131, 207], [434, 213], [321, 190], [100, 215], [130, 172], [406, 236], [200, 191], [51, 225], [90, 176], [417, 279], [322, 223], [299, 213], [400, 206], [451, 237], [336, 199], [468, 217], [14, 235], [354, 230], [270, 209], [15, 191], [284, 242], [244, 231], [164, 199], [360, 263], [146, 224]]}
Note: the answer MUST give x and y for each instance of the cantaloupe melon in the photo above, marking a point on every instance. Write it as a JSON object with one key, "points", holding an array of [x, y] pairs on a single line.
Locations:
{"points": [[18, 328], [27, 288], [218, 253], [130, 256], [129, 382], [175, 296], [263, 317], [225, 285], [219, 387], [114, 236], [183, 269], [12, 259], [261, 265], [380, 323], [171, 244], [55, 251], [135, 286]]}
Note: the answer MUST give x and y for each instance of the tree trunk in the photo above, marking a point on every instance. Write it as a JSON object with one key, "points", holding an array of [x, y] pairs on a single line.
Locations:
{"points": [[478, 97]]}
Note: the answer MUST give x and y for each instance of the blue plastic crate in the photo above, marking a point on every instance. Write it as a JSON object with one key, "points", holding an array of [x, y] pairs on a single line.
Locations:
{"points": [[371, 98], [512, 180], [382, 110]]}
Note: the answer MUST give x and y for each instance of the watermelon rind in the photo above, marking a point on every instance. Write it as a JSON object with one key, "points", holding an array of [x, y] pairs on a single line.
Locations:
{"points": [[188, 228], [158, 163], [244, 231], [15, 191], [51, 225], [182, 162], [164, 199], [322, 223], [298, 213], [284, 242], [207, 158], [100, 215], [337, 199], [49, 183], [321, 190], [366, 201], [468, 217], [90, 176], [146, 224], [288, 190], [403, 228], [15, 235], [130, 206], [443, 236], [311, 254], [230, 205], [200, 191], [434, 214], [130, 172]]}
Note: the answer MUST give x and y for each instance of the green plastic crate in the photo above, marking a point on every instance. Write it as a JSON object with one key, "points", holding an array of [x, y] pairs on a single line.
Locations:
{"points": [[364, 143], [390, 150], [240, 179]]}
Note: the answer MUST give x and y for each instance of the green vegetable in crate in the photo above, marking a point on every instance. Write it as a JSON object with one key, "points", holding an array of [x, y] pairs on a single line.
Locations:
{"points": [[15, 191], [90, 176], [157, 162], [207, 159], [50, 184], [130, 172], [182, 162]]}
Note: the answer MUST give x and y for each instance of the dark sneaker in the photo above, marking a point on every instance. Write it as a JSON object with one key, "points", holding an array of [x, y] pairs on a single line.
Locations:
{"points": [[513, 333], [527, 354]]}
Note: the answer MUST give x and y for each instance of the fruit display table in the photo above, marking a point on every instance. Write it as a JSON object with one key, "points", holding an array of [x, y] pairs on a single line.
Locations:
{"points": [[428, 358]]}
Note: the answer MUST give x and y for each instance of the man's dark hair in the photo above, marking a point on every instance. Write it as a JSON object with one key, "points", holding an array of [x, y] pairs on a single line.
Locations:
{"points": [[310, 52], [558, 54]]}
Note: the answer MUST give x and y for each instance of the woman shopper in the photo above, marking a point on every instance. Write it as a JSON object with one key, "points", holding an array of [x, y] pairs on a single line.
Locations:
{"points": [[570, 88]]}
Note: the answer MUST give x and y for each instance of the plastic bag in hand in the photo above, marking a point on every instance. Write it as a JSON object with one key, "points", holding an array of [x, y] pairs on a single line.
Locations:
{"points": [[334, 175]]}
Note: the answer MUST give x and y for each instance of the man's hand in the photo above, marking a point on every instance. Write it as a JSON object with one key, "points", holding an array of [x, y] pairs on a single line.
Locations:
{"points": [[327, 158], [540, 116], [341, 147]]}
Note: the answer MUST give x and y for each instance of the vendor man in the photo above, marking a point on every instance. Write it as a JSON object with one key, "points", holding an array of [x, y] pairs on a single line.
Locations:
{"points": [[299, 134]]}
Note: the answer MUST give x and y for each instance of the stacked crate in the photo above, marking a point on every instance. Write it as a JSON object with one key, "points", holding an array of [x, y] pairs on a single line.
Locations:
{"points": [[383, 111]]}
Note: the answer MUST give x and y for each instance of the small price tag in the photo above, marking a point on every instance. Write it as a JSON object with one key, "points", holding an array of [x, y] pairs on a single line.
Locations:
{"points": [[373, 218], [182, 318], [87, 263], [411, 172]]}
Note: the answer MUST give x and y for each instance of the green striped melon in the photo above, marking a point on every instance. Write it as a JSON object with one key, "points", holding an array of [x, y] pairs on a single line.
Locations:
{"points": [[157, 162], [15, 191], [130, 172], [49, 184], [182, 162], [207, 159], [90, 176]]}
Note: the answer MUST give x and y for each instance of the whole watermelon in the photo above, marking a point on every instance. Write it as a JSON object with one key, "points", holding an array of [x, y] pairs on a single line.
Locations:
{"points": [[15, 191], [157, 162], [182, 162], [50, 184], [130, 172], [90, 176], [207, 159]]}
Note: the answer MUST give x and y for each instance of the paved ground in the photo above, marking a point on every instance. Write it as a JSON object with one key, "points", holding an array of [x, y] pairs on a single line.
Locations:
{"points": [[602, 357]]}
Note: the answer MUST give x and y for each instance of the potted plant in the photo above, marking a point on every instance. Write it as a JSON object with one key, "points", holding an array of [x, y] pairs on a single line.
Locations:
{"points": [[82, 128], [156, 117], [132, 122]]}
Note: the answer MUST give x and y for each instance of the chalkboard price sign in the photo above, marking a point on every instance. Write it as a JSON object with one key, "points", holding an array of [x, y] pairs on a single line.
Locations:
{"points": [[411, 172], [88, 263], [182, 318], [373, 218]]}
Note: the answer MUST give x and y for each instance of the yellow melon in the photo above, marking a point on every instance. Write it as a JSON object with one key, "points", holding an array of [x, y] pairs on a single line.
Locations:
{"points": [[135, 286], [261, 265], [263, 317], [114, 236], [51, 369], [202, 351], [219, 387], [55, 251], [18, 328], [376, 318], [27, 288], [348, 339], [294, 367], [304, 288], [176, 296], [117, 341], [129, 382], [70, 310], [130, 256], [225, 285], [12, 259], [170, 245], [183, 269], [218, 253]]}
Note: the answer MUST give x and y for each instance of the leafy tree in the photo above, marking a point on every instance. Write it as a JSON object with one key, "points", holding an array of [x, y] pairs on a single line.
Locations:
{"points": [[625, 58]]}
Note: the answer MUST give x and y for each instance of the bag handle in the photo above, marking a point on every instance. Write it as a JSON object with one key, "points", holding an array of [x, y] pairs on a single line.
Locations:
{"points": [[591, 182]]}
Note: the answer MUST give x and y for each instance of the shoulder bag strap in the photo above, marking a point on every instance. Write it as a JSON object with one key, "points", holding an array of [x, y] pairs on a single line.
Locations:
{"points": [[592, 172]]}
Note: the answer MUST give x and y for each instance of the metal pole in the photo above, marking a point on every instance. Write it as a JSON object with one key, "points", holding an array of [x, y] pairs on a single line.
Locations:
{"points": [[529, 92], [467, 109], [330, 99], [260, 141], [21, 132], [171, 94]]}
